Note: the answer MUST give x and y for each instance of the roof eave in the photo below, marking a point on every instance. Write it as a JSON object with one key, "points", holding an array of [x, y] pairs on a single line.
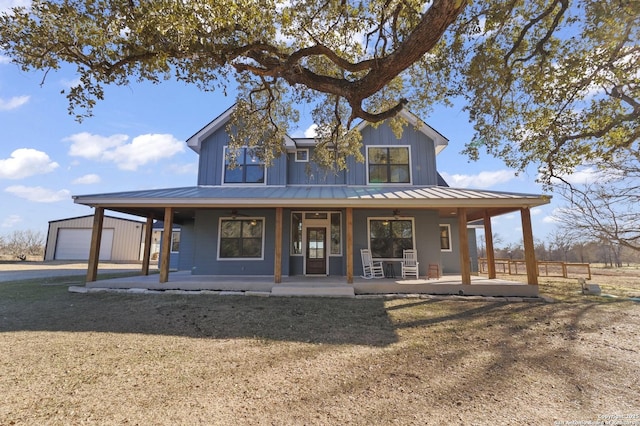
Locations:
{"points": [[439, 140], [373, 202], [195, 141]]}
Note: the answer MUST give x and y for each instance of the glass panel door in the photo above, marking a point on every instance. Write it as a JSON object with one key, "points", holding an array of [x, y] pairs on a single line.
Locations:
{"points": [[316, 253]]}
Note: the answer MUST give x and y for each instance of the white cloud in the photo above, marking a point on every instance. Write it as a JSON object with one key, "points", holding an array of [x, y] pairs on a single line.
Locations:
{"points": [[144, 149], [536, 211], [5, 5], [93, 147], [70, 83], [549, 219], [553, 217], [311, 131], [26, 162], [4, 59], [141, 150], [13, 103], [11, 220], [481, 180], [87, 179], [588, 175], [38, 194]]}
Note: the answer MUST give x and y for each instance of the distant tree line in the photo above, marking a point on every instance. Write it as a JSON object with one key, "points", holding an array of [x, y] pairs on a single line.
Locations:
{"points": [[22, 244]]}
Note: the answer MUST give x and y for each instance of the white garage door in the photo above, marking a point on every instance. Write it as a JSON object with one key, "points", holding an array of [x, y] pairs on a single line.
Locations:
{"points": [[74, 244]]}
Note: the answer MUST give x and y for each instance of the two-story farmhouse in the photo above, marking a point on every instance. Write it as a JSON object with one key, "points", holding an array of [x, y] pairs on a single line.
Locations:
{"points": [[294, 219]]}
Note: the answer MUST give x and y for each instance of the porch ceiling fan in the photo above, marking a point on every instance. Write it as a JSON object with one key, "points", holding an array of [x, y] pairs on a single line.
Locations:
{"points": [[234, 214], [397, 215]]}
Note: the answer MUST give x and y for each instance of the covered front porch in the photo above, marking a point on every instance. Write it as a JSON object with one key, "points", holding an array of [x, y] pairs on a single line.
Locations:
{"points": [[331, 286], [462, 205]]}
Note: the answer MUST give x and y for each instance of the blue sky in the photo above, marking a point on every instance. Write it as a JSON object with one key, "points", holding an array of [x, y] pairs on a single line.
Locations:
{"points": [[136, 140]]}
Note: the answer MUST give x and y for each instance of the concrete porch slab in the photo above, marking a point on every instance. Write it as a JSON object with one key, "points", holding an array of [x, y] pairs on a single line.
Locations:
{"points": [[331, 286], [313, 291]]}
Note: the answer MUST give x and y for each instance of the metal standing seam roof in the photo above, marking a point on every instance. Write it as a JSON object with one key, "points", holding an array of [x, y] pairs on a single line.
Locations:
{"points": [[314, 195]]}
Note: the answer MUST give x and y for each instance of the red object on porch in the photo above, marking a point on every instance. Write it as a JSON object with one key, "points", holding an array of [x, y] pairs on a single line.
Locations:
{"points": [[433, 271]]}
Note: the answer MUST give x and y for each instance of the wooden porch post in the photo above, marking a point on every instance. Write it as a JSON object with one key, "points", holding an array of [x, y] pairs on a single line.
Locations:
{"points": [[463, 237], [94, 250], [146, 255], [488, 236], [529, 249], [277, 267], [165, 250], [349, 245]]}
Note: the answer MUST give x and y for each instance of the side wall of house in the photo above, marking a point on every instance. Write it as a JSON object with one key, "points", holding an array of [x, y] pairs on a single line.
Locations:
{"points": [[187, 245], [285, 170], [210, 160], [451, 259], [423, 155], [308, 173]]}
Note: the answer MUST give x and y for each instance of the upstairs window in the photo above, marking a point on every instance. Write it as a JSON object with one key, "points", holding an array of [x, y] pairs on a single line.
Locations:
{"points": [[389, 164], [248, 167], [302, 156]]}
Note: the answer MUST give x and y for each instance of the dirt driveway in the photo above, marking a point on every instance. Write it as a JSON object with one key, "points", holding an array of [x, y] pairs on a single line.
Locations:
{"points": [[11, 271]]}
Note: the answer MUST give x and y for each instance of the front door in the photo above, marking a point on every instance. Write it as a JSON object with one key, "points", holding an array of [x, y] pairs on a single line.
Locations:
{"points": [[316, 251]]}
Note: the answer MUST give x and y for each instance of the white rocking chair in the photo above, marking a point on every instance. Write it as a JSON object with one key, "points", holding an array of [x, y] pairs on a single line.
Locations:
{"points": [[370, 269], [410, 263]]}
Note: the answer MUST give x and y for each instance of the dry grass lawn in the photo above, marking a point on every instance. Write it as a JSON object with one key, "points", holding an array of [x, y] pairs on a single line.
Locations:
{"points": [[107, 358]]}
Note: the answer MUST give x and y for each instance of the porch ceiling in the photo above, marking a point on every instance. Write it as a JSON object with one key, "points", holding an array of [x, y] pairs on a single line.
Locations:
{"points": [[186, 201]]}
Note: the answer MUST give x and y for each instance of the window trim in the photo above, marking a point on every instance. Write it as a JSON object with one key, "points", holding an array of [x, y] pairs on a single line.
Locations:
{"points": [[390, 219], [291, 249], [224, 169], [321, 222], [448, 226], [174, 231], [306, 159], [340, 233], [247, 218], [410, 182]]}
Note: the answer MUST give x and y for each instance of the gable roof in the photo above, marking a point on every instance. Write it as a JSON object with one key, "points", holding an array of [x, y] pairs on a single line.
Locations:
{"points": [[440, 142], [195, 141]]}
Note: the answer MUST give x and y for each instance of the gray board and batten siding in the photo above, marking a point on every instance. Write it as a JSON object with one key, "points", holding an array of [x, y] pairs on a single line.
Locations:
{"points": [[285, 170]]}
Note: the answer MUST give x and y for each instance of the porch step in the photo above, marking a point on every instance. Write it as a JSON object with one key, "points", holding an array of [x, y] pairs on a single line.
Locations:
{"points": [[313, 291]]}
